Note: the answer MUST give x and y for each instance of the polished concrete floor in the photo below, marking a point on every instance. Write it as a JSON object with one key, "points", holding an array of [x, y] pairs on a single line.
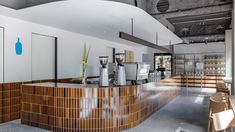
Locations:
{"points": [[186, 113]]}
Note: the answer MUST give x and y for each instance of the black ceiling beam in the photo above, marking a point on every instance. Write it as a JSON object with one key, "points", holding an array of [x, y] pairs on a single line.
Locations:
{"points": [[134, 39], [189, 9]]}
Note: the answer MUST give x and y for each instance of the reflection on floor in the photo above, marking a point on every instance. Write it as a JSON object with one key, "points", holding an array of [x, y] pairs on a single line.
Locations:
{"points": [[187, 113], [15, 126]]}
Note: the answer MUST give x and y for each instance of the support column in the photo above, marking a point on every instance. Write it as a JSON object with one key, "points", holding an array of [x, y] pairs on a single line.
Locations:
{"points": [[233, 52]]}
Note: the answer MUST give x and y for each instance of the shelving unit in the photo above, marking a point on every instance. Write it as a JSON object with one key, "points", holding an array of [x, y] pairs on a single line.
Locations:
{"points": [[199, 64], [199, 70], [179, 64], [214, 65]]}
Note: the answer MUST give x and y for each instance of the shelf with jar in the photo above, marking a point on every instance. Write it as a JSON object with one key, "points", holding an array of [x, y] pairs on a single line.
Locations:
{"points": [[214, 64], [179, 64]]}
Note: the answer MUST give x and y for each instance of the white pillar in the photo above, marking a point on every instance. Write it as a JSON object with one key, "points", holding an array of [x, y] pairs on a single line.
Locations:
{"points": [[233, 52], [228, 52]]}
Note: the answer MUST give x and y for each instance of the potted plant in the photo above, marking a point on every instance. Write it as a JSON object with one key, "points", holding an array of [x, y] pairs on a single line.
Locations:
{"points": [[85, 54]]}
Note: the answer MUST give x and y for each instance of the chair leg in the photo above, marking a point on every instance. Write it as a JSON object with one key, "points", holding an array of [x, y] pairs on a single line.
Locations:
{"points": [[231, 129], [213, 129], [209, 126]]}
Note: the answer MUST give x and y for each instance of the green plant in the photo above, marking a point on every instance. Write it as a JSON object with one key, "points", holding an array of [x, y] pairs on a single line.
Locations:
{"points": [[161, 61], [85, 55]]}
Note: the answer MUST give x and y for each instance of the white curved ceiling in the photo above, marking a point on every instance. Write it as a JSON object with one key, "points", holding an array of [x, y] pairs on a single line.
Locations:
{"points": [[98, 18]]}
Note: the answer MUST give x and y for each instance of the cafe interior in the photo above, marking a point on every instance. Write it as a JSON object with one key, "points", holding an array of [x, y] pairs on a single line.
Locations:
{"points": [[117, 66]]}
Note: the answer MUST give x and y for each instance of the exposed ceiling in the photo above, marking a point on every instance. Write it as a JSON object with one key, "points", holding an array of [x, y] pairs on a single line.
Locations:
{"points": [[194, 20], [84, 16], [20, 4]]}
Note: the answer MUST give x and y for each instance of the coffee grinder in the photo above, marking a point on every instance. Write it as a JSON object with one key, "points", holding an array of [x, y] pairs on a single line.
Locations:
{"points": [[103, 71], [120, 69]]}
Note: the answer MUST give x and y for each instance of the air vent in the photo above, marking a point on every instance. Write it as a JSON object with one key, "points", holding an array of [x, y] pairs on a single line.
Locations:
{"points": [[163, 6]]}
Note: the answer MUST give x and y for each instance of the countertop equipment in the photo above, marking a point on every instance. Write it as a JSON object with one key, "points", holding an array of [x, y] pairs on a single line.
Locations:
{"points": [[104, 81], [137, 71], [120, 75]]}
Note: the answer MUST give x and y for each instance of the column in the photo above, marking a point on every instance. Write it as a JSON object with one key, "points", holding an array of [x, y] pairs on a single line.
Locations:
{"points": [[233, 52]]}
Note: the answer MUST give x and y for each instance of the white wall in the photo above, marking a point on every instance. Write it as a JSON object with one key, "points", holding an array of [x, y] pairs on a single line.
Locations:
{"points": [[200, 48], [18, 68], [1, 55], [228, 43]]}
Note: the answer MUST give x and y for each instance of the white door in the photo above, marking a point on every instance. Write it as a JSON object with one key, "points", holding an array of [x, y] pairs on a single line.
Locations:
{"points": [[109, 53], [1, 55], [43, 57]]}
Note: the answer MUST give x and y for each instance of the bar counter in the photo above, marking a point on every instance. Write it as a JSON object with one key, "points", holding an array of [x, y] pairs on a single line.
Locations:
{"points": [[73, 107]]}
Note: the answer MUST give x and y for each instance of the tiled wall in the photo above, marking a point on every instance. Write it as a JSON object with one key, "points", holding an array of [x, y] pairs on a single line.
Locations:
{"points": [[10, 98], [92, 109]]}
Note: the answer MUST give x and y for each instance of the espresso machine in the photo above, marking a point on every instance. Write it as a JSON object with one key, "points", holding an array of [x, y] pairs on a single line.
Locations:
{"points": [[120, 69], [104, 81]]}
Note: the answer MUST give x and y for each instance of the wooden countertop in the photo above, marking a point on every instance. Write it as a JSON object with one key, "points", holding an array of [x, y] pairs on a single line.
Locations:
{"points": [[227, 79]]}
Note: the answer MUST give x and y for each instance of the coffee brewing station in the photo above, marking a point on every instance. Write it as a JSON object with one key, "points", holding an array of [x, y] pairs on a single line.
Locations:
{"points": [[122, 73]]}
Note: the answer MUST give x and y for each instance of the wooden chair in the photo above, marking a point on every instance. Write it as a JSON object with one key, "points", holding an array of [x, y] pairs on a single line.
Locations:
{"points": [[220, 87], [223, 120], [216, 105]]}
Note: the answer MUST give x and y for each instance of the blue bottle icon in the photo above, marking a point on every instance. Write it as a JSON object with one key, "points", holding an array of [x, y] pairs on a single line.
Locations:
{"points": [[18, 47]]}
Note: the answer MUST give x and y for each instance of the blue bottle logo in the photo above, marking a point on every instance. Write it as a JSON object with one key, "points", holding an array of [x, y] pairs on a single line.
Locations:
{"points": [[18, 47]]}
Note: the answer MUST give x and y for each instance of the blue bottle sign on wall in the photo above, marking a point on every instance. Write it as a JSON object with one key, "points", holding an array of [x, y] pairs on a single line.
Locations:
{"points": [[18, 47]]}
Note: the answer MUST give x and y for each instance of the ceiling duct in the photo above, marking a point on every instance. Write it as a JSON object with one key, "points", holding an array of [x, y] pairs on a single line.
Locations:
{"points": [[204, 39], [163, 6]]}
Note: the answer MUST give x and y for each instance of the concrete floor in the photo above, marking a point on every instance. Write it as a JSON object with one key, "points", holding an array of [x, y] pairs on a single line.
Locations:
{"points": [[186, 113]]}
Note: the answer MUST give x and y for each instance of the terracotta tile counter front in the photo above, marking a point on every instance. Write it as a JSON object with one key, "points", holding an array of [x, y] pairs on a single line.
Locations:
{"points": [[73, 107]]}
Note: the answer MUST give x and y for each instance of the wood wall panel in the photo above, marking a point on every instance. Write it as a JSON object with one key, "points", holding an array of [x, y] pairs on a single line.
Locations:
{"points": [[129, 56], [208, 81], [92, 109]]}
